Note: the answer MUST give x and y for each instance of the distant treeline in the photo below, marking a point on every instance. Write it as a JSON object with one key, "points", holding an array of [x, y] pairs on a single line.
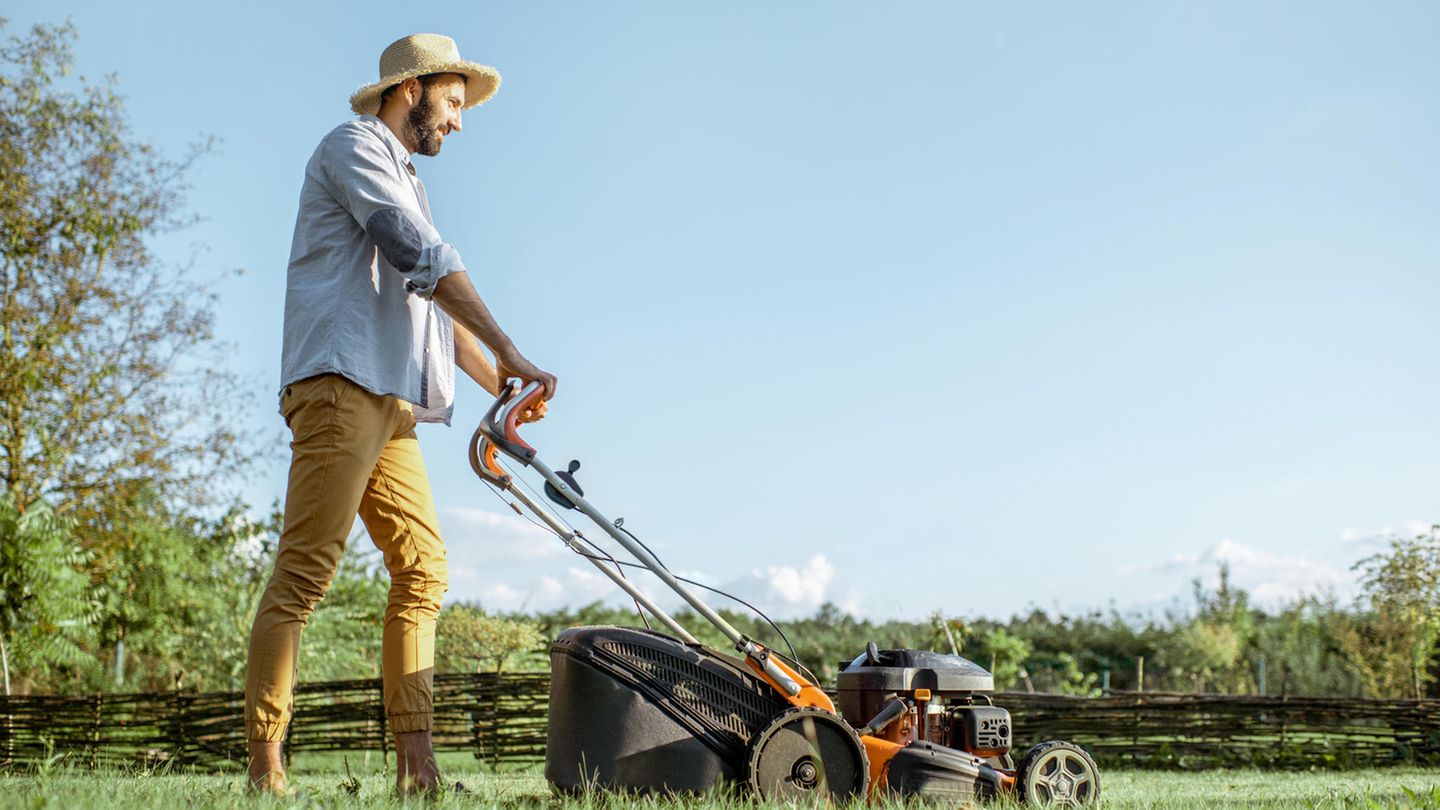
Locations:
{"points": [[1382, 646], [166, 603]]}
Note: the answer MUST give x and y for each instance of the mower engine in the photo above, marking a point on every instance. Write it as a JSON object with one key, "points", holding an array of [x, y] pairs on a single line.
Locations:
{"points": [[947, 699]]}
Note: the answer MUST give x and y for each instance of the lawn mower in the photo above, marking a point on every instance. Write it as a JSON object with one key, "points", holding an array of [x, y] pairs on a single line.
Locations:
{"points": [[636, 710]]}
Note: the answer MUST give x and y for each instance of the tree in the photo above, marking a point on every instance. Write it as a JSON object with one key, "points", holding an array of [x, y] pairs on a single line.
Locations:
{"points": [[232, 557], [1088, 644], [1210, 649], [169, 581], [45, 605], [1392, 643], [1001, 653], [470, 640], [1298, 646], [107, 382]]}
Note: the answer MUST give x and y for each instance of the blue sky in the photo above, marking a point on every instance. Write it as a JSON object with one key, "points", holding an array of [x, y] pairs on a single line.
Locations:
{"points": [[910, 307]]}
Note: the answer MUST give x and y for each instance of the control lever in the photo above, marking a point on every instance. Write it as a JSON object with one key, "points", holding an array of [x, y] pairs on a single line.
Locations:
{"points": [[887, 715], [872, 654]]}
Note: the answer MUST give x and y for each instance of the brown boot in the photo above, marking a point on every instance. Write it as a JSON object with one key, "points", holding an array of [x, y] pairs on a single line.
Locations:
{"points": [[267, 768], [415, 768]]}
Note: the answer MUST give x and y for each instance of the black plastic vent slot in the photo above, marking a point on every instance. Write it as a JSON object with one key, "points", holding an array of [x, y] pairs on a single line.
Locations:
{"points": [[724, 703]]}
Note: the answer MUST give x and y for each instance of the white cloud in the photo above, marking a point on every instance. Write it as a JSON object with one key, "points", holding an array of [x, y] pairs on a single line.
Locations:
{"points": [[576, 587], [787, 590], [804, 587], [1273, 578], [501, 596], [1270, 578], [778, 590], [480, 540], [1377, 537]]}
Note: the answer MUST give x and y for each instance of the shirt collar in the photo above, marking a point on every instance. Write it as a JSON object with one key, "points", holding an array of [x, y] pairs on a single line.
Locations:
{"points": [[396, 147]]}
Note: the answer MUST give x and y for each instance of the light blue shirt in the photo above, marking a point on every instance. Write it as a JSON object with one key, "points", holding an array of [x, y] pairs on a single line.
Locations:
{"points": [[363, 264]]}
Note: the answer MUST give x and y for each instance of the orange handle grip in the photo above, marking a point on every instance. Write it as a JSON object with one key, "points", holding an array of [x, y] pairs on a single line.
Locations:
{"points": [[512, 416]]}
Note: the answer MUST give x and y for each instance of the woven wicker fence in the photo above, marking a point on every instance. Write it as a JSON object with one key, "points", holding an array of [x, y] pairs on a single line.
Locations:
{"points": [[1204, 731], [501, 719]]}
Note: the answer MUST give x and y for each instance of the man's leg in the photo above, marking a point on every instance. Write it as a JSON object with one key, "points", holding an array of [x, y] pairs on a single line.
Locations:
{"points": [[339, 431], [399, 513]]}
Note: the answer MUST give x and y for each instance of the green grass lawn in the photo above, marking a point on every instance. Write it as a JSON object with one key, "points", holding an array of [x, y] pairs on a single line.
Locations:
{"points": [[323, 785]]}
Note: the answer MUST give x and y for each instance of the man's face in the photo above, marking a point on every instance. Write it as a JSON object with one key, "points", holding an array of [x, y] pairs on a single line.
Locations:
{"points": [[436, 114]]}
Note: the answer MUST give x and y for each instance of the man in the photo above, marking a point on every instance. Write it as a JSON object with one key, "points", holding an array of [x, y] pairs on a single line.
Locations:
{"points": [[378, 313]]}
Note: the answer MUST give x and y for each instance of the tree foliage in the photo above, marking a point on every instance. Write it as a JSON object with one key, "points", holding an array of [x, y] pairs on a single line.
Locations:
{"points": [[46, 608], [108, 386], [1003, 653], [174, 594], [1392, 642], [468, 639], [115, 408], [1211, 647]]}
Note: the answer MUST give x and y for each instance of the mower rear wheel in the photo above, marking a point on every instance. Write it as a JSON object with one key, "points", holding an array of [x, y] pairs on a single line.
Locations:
{"points": [[808, 754], [1059, 773]]}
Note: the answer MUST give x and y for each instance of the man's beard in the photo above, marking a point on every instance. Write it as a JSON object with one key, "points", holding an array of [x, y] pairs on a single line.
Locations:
{"points": [[424, 124]]}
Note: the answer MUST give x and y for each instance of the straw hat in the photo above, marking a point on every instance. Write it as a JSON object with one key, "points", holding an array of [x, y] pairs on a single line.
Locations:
{"points": [[421, 54]]}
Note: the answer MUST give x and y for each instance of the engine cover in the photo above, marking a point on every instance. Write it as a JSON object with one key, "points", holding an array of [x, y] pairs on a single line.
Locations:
{"points": [[982, 730], [867, 683]]}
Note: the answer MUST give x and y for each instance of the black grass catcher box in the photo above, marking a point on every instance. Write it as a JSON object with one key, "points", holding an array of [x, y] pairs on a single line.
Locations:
{"points": [[637, 710]]}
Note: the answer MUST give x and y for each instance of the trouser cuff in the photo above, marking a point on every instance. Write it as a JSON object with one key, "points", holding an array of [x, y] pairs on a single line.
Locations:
{"points": [[415, 721], [265, 732]]}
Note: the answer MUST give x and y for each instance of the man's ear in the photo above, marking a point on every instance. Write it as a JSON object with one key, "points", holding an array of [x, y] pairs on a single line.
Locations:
{"points": [[412, 90]]}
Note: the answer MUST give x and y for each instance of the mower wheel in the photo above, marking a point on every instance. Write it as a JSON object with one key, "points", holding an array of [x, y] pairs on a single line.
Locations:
{"points": [[808, 753], [1059, 773]]}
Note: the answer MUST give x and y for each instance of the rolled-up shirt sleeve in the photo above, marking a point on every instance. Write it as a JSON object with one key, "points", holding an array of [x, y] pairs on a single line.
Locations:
{"points": [[360, 172]]}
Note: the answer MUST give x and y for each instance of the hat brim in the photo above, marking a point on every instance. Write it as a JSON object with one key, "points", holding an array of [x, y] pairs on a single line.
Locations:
{"points": [[481, 83]]}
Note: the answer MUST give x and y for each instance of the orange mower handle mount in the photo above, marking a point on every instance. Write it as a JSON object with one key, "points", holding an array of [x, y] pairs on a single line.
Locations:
{"points": [[500, 428], [484, 460], [499, 432], [809, 695]]}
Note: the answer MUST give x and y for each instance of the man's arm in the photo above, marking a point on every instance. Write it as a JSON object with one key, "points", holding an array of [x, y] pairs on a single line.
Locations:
{"points": [[457, 296], [473, 362], [478, 367]]}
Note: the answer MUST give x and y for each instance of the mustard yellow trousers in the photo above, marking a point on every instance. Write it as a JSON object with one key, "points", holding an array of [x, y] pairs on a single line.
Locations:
{"points": [[352, 452]]}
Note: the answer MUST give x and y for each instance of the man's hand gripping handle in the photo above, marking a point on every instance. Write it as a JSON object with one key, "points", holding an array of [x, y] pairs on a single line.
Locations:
{"points": [[499, 432]]}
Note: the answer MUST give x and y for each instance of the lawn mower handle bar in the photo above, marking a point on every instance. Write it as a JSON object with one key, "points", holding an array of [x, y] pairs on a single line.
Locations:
{"points": [[485, 465], [500, 428], [501, 422]]}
